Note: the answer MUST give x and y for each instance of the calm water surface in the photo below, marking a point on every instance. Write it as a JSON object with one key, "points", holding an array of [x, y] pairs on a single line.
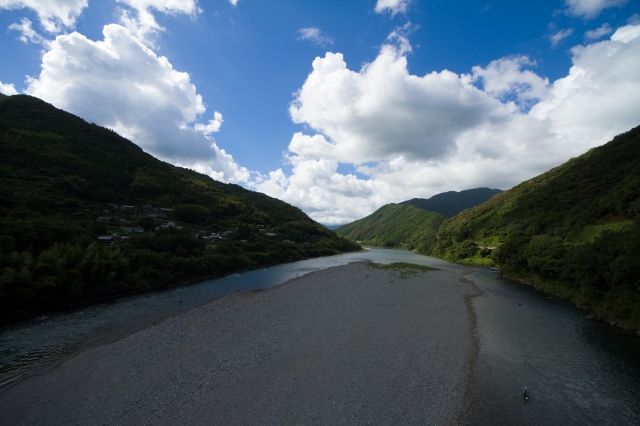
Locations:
{"points": [[579, 372]]}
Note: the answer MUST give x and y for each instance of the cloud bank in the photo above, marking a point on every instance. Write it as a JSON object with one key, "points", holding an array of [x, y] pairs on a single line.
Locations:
{"points": [[407, 136], [121, 83]]}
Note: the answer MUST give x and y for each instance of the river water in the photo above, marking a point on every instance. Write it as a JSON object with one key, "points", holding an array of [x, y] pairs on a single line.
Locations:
{"points": [[578, 371]]}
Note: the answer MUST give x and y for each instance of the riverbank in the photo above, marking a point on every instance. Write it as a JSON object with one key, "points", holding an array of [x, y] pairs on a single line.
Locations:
{"points": [[351, 344], [55, 306]]}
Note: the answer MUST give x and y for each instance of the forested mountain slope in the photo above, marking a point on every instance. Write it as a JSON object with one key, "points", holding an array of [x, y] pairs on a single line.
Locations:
{"points": [[64, 182], [573, 231], [394, 226], [451, 203]]}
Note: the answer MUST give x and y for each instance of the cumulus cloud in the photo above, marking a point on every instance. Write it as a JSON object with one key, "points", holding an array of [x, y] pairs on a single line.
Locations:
{"points": [[54, 15], [600, 32], [234, 2], [410, 136], [8, 89], [392, 6], [589, 9], [28, 34], [315, 36], [559, 36], [506, 80], [120, 83]]}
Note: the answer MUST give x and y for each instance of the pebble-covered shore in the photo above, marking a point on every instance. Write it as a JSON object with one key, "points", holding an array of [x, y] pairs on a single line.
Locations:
{"points": [[347, 345]]}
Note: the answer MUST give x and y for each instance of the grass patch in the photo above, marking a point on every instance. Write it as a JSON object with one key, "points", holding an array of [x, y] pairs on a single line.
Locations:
{"points": [[405, 269]]}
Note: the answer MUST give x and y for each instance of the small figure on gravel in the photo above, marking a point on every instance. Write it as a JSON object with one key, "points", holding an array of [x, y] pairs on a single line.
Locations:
{"points": [[526, 394]]}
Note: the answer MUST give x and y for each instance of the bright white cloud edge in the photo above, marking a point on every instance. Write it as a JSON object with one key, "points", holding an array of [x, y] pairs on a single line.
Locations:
{"points": [[119, 82], [410, 136], [8, 89]]}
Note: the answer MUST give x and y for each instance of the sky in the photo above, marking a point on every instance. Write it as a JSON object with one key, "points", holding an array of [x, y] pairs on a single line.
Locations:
{"points": [[338, 107]]}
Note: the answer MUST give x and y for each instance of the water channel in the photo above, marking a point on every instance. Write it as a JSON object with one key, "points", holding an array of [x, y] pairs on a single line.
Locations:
{"points": [[578, 371]]}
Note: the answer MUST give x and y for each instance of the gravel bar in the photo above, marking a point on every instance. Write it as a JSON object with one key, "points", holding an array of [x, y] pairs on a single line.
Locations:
{"points": [[346, 345]]}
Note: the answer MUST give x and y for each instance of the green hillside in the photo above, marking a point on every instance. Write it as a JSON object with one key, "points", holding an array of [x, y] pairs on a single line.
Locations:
{"points": [[573, 231], [451, 203], [60, 174], [395, 226]]}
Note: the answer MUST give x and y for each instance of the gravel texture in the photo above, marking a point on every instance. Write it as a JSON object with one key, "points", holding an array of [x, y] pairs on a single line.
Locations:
{"points": [[347, 345]]}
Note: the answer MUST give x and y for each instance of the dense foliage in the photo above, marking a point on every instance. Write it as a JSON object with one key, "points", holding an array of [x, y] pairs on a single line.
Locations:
{"points": [[395, 226], [59, 174], [451, 203], [573, 231]]}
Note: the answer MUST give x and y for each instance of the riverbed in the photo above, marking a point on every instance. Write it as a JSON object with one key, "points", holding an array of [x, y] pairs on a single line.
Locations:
{"points": [[578, 371]]}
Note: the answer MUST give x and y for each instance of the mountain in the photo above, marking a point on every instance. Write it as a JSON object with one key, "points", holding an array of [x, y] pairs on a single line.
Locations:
{"points": [[412, 224], [332, 227], [573, 232], [451, 203], [65, 182], [394, 225]]}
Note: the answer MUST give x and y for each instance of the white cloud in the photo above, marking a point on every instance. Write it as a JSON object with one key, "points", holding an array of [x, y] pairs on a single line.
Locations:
{"points": [[559, 36], [122, 84], [213, 126], [314, 35], [414, 136], [8, 89], [141, 22], [634, 19], [234, 2], [506, 80], [600, 32], [627, 34], [54, 15], [28, 34], [393, 6], [589, 9]]}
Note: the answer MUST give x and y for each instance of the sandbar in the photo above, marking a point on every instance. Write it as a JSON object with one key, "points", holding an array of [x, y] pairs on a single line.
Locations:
{"points": [[346, 345]]}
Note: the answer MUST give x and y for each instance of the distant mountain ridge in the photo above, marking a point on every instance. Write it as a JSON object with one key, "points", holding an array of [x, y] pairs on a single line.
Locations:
{"points": [[394, 226], [451, 203], [412, 224]]}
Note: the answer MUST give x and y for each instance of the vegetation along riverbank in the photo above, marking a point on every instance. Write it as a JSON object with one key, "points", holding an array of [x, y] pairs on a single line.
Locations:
{"points": [[86, 214], [572, 232]]}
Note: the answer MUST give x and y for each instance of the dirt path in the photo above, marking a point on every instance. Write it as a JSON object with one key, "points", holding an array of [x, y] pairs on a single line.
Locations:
{"points": [[347, 345]]}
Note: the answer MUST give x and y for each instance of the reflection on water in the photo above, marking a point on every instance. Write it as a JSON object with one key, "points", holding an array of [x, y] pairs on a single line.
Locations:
{"points": [[31, 345], [578, 372]]}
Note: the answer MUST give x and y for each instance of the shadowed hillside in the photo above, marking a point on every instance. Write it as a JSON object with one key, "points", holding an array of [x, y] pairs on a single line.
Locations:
{"points": [[84, 213], [451, 203], [573, 231]]}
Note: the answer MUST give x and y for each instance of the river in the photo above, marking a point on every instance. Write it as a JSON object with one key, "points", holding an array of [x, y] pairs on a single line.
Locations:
{"points": [[578, 371]]}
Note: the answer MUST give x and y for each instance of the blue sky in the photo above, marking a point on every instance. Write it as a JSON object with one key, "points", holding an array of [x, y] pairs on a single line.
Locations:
{"points": [[338, 107]]}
